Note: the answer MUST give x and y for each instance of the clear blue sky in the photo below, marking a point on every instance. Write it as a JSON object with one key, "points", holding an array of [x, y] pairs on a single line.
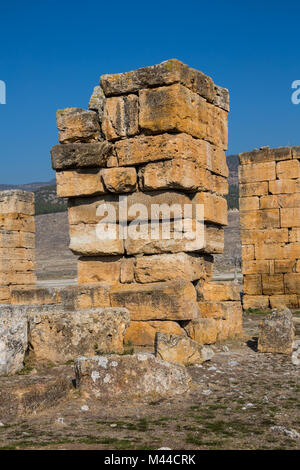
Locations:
{"points": [[53, 52]]}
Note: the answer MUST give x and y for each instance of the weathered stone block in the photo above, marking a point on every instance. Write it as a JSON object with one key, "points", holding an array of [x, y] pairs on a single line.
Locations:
{"points": [[77, 125], [168, 267], [283, 301], [88, 241], [249, 203], [133, 377], [219, 292], [276, 333], [142, 333], [180, 349], [270, 236], [173, 300], [289, 169], [256, 302], [177, 109], [16, 202], [252, 284], [17, 222], [290, 217], [119, 180], [215, 207], [86, 155], [166, 73], [145, 149], [292, 283], [174, 174], [9, 239], [282, 186], [218, 309], [127, 270], [253, 189], [265, 154], [260, 219], [272, 283], [121, 117], [97, 102], [58, 335], [71, 183], [99, 269], [256, 172], [248, 252], [11, 278], [13, 339], [203, 330], [261, 266]]}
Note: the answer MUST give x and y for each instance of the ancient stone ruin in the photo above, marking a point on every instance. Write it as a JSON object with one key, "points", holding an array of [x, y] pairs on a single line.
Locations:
{"points": [[152, 137], [270, 227], [17, 242]]}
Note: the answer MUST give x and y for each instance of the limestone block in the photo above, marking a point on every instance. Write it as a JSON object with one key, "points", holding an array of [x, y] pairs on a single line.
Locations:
{"points": [[142, 333], [134, 377], [298, 266], [255, 172], [180, 349], [215, 207], [282, 186], [218, 310], [269, 202], [88, 296], [261, 219], [121, 117], [173, 300], [33, 296], [18, 254], [292, 283], [231, 326], [265, 154], [290, 217], [13, 339], [119, 180], [9, 239], [249, 203], [97, 102], [248, 252], [216, 160], [11, 278], [256, 302], [145, 149], [99, 269], [77, 125], [294, 235], [17, 222], [270, 236], [203, 330], [219, 292], [88, 241], [254, 189], [166, 73], [193, 238], [218, 184], [269, 251], [272, 283], [289, 169], [84, 155], [177, 109], [261, 266], [57, 335], [252, 284], [276, 333], [168, 267], [174, 174], [5, 295], [127, 270], [283, 301], [71, 183], [283, 265], [13, 265], [84, 210], [16, 202]]}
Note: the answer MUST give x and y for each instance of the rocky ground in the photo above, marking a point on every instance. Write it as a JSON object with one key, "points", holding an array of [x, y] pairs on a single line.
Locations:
{"points": [[241, 399]]}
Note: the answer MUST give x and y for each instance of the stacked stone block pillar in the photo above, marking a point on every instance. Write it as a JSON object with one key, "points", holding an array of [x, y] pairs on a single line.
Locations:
{"points": [[17, 242], [154, 136], [270, 227]]}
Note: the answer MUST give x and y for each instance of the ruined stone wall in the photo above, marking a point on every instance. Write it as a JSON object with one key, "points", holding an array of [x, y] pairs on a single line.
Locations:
{"points": [[270, 227], [157, 135], [17, 242]]}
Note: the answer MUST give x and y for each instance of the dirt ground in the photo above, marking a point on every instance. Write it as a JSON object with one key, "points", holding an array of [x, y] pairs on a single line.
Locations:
{"points": [[235, 400]]}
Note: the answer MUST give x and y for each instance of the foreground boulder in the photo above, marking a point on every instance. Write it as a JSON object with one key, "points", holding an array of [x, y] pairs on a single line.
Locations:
{"points": [[13, 339], [276, 333], [135, 376], [181, 349], [59, 335]]}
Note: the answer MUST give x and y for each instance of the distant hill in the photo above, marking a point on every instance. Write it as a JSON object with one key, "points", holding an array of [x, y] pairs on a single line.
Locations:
{"points": [[28, 186]]}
